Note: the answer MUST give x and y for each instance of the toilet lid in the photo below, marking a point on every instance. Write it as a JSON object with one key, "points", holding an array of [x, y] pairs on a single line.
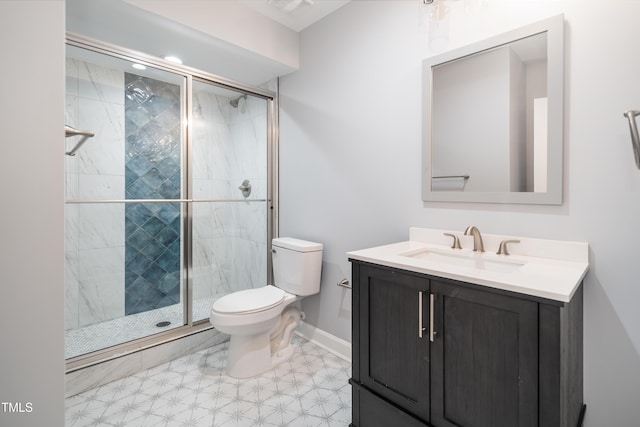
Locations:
{"points": [[249, 300]]}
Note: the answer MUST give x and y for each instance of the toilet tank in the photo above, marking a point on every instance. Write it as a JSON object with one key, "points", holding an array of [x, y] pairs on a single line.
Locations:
{"points": [[296, 265]]}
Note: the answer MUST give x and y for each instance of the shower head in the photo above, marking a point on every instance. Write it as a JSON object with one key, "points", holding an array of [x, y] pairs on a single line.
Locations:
{"points": [[235, 101]]}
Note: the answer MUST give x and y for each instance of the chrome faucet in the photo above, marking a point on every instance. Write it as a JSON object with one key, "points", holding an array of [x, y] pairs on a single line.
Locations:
{"points": [[472, 230]]}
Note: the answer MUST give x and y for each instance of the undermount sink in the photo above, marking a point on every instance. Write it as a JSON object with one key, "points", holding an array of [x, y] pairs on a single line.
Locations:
{"points": [[550, 269], [464, 259]]}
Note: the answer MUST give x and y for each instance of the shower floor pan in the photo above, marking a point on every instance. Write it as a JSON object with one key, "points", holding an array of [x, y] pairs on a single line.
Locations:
{"points": [[128, 328]]}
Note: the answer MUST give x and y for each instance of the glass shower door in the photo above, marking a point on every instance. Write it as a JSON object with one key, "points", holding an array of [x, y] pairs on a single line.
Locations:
{"points": [[167, 204], [230, 209], [124, 208]]}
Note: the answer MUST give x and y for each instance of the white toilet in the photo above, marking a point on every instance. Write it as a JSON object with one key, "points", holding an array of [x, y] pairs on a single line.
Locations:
{"points": [[261, 321]]}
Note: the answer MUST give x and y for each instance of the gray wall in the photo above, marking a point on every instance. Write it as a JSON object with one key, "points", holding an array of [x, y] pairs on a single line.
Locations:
{"points": [[350, 177], [31, 164], [350, 163]]}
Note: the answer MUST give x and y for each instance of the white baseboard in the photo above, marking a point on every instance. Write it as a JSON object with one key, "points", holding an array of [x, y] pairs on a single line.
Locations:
{"points": [[331, 343]]}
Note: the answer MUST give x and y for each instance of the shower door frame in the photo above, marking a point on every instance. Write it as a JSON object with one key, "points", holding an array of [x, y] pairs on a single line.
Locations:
{"points": [[271, 97]]}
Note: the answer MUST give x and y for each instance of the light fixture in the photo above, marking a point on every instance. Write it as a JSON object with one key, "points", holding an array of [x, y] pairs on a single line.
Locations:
{"points": [[435, 19], [173, 59], [291, 7], [139, 66]]}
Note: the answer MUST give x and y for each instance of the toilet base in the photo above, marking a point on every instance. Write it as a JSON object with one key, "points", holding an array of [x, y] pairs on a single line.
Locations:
{"points": [[282, 356], [252, 355], [249, 355]]}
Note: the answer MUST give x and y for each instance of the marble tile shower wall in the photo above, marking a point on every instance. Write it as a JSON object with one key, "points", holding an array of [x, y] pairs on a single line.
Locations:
{"points": [[94, 233], [230, 239]]}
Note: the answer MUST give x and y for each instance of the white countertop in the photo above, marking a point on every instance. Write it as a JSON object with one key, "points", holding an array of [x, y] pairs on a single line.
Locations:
{"points": [[550, 269]]}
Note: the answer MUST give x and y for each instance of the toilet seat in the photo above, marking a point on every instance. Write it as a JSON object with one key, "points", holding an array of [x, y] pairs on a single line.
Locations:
{"points": [[250, 300]]}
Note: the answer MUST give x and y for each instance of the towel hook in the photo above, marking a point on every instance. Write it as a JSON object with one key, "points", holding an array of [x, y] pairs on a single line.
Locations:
{"points": [[635, 139]]}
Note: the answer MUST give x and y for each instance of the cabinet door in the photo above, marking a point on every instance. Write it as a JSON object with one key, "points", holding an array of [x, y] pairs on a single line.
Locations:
{"points": [[394, 359], [484, 360]]}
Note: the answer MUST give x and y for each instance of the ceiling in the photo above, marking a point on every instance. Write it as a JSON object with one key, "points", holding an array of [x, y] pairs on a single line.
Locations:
{"points": [[295, 14], [125, 23]]}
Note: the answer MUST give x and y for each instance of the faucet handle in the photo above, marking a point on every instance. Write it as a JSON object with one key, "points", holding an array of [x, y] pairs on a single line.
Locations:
{"points": [[502, 249], [456, 241]]}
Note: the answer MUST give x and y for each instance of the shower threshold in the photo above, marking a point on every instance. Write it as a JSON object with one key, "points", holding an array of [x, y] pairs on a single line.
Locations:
{"points": [[106, 334]]}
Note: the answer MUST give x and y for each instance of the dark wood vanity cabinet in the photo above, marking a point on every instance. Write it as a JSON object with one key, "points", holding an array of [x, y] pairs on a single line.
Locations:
{"points": [[484, 359], [396, 365], [435, 352]]}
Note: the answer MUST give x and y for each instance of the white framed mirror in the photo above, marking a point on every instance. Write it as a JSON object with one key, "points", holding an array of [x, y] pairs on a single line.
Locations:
{"points": [[493, 119]]}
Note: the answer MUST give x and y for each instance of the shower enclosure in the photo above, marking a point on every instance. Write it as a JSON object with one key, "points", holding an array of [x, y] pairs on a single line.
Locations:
{"points": [[169, 200]]}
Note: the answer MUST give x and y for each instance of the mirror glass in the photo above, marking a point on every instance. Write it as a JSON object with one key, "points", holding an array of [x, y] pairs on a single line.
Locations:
{"points": [[493, 122]]}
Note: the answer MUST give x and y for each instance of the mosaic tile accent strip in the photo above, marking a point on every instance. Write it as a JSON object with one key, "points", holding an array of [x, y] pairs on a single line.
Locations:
{"points": [[152, 171], [310, 389]]}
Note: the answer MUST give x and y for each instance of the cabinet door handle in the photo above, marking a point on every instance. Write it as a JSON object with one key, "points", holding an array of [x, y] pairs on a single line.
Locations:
{"points": [[421, 329], [432, 331]]}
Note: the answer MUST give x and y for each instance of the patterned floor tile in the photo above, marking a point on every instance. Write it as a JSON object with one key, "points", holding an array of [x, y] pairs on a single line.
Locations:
{"points": [[310, 389]]}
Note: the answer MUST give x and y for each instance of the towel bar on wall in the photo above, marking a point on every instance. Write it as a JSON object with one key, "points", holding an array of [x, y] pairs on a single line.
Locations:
{"points": [[635, 139], [465, 176]]}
